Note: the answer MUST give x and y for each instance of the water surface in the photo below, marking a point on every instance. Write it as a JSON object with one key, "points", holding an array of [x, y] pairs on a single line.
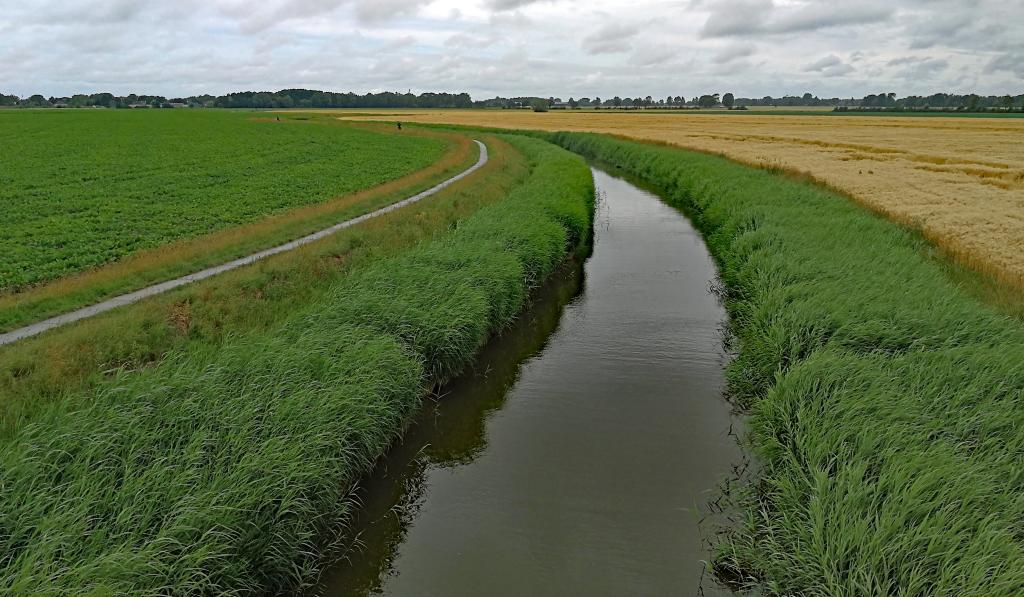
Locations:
{"points": [[578, 456]]}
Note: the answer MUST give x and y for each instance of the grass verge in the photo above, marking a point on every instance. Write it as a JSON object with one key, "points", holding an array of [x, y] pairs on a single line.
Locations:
{"points": [[224, 469], [192, 254], [886, 400]]}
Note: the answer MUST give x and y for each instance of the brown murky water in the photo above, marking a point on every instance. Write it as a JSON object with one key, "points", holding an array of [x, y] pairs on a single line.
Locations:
{"points": [[578, 456]]}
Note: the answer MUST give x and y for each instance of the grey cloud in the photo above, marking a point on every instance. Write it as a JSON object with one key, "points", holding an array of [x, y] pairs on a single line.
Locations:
{"points": [[993, 25], [823, 63], [743, 16], [733, 53], [378, 10], [511, 4], [925, 33], [515, 20], [465, 40], [498, 46], [256, 18], [913, 67], [764, 17], [654, 56], [90, 13], [830, 66], [612, 38], [1009, 62]]}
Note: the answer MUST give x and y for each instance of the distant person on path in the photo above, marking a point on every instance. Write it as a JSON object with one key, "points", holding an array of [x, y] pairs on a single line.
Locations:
{"points": [[399, 125]]}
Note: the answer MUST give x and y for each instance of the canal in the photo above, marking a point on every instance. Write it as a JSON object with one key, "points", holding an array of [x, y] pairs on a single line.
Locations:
{"points": [[579, 454]]}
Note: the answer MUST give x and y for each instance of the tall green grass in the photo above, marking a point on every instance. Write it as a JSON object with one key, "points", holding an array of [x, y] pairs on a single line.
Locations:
{"points": [[225, 470], [887, 404]]}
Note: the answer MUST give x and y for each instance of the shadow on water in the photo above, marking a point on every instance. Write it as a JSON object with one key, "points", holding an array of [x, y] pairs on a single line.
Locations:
{"points": [[584, 448]]}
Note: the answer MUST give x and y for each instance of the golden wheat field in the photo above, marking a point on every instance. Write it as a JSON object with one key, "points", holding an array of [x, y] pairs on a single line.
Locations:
{"points": [[958, 180]]}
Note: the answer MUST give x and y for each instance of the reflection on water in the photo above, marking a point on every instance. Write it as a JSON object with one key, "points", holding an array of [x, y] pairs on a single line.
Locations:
{"points": [[577, 456], [448, 431]]}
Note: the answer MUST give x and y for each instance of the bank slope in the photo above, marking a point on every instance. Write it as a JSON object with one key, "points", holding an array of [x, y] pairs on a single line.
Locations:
{"points": [[226, 471], [887, 404]]}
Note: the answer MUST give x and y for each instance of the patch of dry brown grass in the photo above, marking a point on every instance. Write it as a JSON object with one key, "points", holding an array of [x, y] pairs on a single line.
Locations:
{"points": [[960, 181]]}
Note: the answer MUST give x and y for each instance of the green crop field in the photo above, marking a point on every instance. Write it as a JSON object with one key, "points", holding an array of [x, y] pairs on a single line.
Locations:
{"points": [[83, 188]]}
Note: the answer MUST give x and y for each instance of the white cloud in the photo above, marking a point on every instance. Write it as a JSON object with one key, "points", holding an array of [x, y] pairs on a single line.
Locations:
{"points": [[512, 47]]}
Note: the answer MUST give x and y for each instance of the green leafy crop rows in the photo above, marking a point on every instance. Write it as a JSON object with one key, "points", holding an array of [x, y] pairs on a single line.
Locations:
{"points": [[82, 188]]}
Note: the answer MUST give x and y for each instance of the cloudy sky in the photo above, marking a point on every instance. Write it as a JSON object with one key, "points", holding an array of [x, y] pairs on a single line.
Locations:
{"points": [[512, 47]]}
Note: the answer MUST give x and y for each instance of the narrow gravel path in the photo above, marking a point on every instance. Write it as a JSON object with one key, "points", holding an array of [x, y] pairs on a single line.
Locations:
{"points": [[132, 297]]}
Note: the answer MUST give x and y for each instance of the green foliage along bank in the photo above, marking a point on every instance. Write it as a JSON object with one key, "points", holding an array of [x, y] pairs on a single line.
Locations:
{"points": [[225, 471], [887, 404]]}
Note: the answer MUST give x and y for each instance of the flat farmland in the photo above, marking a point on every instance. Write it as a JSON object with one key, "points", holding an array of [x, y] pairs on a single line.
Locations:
{"points": [[960, 181], [80, 189]]}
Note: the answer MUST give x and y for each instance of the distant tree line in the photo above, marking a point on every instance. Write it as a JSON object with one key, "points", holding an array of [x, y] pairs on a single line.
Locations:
{"points": [[881, 101], [513, 102], [556, 103], [104, 100], [310, 98], [705, 101], [938, 102], [287, 98], [805, 100]]}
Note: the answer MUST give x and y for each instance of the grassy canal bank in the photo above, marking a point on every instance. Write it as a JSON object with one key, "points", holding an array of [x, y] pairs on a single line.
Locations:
{"points": [[223, 467], [887, 402]]}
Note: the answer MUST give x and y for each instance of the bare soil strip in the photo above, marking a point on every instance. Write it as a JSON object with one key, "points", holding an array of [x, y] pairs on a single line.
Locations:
{"points": [[132, 297]]}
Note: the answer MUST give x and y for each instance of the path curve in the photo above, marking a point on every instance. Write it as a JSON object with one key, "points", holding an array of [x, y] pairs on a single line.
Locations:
{"points": [[132, 297]]}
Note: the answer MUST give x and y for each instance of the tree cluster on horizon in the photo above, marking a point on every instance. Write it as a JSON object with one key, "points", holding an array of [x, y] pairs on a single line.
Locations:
{"points": [[286, 98], [882, 101], [310, 98]]}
